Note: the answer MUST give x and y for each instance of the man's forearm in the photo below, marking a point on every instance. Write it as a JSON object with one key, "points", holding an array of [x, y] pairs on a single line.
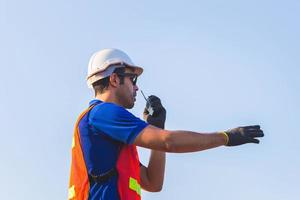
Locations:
{"points": [[187, 141], [156, 168]]}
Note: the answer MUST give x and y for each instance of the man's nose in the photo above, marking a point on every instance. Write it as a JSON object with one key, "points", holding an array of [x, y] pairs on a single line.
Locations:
{"points": [[136, 88]]}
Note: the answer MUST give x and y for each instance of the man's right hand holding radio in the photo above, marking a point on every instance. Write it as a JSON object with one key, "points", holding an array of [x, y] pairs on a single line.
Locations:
{"points": [[158, 117]]}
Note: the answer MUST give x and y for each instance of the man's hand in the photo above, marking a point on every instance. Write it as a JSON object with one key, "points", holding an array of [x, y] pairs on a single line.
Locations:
{"points": [[243, 135], [158, 117]]}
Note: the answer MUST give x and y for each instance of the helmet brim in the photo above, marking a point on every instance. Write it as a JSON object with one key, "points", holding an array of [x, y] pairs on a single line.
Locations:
{"points": [[108, 70]]}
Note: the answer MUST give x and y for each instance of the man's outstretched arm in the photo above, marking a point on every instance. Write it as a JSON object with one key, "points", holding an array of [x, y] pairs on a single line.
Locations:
{"points": [[178, 141], [188, 141], [159, 140]]}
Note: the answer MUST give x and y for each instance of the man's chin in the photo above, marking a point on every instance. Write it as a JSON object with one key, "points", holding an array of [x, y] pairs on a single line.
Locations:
{"points": [[129, 106]]}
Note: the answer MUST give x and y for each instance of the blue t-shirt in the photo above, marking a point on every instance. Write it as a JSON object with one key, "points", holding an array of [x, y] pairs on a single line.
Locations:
{"points": [[109, 127]]}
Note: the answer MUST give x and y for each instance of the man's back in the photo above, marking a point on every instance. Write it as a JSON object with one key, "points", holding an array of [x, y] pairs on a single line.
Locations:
{"points": [[103, 132]]}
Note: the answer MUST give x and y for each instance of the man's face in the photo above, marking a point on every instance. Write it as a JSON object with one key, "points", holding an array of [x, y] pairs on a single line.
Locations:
{"points": [[126, 92]]}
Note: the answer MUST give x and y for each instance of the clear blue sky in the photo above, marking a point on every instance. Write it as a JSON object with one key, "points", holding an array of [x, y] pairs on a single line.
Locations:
{"points": [[215, 65]]}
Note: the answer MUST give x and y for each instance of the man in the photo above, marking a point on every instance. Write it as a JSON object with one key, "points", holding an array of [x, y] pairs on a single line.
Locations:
{"points": [[105, 163]]}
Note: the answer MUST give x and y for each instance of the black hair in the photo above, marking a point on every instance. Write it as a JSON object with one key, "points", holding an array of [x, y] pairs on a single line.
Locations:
{"points": [[101, 85]]}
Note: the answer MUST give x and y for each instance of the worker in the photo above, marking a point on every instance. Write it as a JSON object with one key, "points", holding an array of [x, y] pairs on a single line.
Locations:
{"points": [[105, 163]]}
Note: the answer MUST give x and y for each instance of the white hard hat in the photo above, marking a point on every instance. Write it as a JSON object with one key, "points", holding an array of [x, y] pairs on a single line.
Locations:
{"points": [[104, 62]]}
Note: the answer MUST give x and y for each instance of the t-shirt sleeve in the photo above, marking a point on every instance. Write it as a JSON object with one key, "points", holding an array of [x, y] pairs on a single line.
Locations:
{"points": [[116, 122]]}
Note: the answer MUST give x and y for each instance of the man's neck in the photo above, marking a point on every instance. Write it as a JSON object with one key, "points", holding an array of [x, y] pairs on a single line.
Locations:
{"points": [[107, 97]]}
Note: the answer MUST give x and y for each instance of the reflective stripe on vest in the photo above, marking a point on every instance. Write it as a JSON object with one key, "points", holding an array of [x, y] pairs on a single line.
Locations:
{"points": [[71, 193], [73, 142], [134, 185]]}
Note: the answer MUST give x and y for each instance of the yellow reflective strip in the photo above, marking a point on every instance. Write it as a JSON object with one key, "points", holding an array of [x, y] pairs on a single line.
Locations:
{"points": [[73, 142], [134, 185], [71, 194]]}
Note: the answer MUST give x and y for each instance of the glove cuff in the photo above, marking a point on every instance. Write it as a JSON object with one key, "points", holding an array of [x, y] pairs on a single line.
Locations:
{"points": [[226, 137]]}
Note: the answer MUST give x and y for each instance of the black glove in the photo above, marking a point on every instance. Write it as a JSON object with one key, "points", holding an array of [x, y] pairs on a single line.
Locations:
{"points": [[158, 117], [243, 135]]}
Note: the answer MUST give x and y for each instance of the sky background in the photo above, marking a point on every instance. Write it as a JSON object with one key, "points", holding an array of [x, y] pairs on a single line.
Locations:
{"points": [[215, 65]]}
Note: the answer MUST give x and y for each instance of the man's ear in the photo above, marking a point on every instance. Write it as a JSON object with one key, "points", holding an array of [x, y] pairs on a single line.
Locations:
{"points": [[114, 80]]}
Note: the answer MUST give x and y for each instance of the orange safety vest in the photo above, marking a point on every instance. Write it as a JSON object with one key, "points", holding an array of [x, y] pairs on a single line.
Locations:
{"points": [[128, 168]]}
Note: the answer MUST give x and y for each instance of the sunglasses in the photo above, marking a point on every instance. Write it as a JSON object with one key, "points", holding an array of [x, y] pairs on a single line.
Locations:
{"points": [[132, 77]]}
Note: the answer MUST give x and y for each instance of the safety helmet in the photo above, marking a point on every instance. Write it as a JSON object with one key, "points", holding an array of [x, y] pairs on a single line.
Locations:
{"points": [[104, 62]]}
